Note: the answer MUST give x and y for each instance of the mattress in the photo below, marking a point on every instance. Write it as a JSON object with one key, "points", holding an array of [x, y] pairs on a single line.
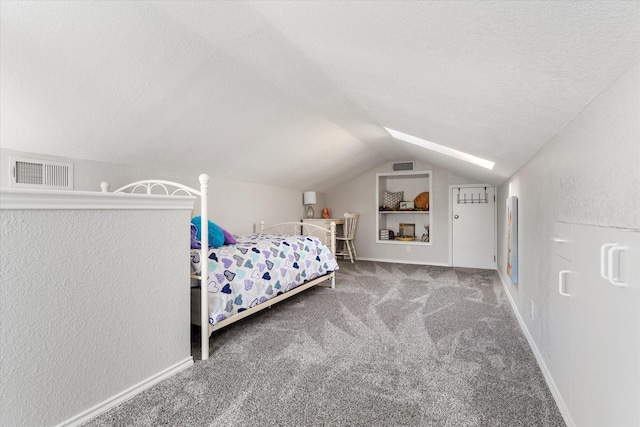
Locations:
{"points": [[260, 267]]}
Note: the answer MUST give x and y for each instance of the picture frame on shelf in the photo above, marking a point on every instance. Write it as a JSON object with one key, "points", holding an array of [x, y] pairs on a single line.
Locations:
{"points": [[407, 230], [406, 206]]}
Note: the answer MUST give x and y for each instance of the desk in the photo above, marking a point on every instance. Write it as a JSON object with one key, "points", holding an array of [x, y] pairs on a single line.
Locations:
{"points": [[326, 223]]}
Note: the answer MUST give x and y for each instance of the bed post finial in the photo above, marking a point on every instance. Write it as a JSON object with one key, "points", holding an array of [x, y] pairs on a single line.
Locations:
{"points": [[104, 186], [204, 180]]}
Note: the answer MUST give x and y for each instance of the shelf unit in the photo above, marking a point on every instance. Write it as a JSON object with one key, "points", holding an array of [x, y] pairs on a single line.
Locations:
{"points": [[411, 183]]}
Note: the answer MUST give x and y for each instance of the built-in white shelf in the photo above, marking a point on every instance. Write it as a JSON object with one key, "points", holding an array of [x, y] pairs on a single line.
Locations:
{"points": [[411, 183]]}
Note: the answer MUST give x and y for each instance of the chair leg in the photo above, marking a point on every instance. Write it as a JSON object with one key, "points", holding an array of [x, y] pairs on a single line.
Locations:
{"points": [[341, 249], [350, 252], [353, 246]]}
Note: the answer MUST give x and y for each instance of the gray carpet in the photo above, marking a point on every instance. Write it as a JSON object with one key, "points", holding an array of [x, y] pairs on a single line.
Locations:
{"points": [[392, 345]]}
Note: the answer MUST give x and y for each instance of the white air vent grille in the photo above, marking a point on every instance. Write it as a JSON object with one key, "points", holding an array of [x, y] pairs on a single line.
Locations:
{"points": [[32, 173], [402, 166]]}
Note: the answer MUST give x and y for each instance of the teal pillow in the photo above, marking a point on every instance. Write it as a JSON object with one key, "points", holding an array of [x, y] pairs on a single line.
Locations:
{"points": [[216, 236]]}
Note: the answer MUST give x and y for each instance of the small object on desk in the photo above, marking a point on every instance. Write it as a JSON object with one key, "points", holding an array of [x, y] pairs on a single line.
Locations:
{"points": [[309, 199], [326, 213]]}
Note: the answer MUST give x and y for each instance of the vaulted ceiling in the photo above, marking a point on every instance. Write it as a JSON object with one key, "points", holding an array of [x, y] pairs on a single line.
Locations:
{"points": [[296, 94]]}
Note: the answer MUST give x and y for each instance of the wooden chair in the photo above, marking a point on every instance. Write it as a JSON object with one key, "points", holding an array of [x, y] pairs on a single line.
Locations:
{"points": [[348, 239]]}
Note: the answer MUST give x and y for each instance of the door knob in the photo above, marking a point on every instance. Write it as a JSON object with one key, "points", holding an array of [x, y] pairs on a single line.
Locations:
{"points": [[456, 216]]}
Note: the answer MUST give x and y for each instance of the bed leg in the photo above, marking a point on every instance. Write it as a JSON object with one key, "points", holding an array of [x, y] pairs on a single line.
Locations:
{"points": [[333, 281]]}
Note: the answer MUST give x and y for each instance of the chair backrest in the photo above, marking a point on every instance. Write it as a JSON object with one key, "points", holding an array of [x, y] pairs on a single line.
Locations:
{"points": [[350, 222]]}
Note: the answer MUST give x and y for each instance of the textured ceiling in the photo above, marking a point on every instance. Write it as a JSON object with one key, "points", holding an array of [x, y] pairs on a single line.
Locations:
{"points": [[296, 94]]}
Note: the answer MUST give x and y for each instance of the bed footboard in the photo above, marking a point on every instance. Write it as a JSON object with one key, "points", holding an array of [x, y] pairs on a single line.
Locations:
{"points": [[289, 228]]}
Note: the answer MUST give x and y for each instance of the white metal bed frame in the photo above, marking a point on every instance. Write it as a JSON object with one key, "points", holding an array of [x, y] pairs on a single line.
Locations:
{"points": [[201, 316]]}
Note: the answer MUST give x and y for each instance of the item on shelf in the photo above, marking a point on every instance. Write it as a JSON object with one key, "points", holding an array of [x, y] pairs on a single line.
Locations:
{"points": [[385, 234], [422, 200], [391, 200], [326, 213], [407, 230], [425, 236], [406, 239], [406, 206]]}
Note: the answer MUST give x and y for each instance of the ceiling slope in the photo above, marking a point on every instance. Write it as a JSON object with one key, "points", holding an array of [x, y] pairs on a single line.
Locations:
{"points": [[296, 94]]}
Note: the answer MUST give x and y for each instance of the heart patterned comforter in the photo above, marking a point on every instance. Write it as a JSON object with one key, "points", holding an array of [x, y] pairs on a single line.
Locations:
{"points": [[258, 268]]}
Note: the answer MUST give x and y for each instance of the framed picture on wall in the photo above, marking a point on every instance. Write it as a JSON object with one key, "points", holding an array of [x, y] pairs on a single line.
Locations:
{"points": [[512, 238]]}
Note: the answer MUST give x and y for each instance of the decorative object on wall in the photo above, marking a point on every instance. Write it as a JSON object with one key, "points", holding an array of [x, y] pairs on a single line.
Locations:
{"points": [[326, 213], [512, 238], [309, 199]]}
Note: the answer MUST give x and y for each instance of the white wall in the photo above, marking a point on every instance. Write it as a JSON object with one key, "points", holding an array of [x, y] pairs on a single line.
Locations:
{"points": [[94, 302], [234, 204], [589, 174], [359, 195]]}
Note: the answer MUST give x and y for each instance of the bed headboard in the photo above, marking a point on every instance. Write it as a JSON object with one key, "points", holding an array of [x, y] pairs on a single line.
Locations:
{"points": [[167, 188]]}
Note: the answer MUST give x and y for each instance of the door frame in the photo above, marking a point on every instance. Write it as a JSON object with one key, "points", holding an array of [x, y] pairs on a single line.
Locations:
{"points": [[495, 220]]}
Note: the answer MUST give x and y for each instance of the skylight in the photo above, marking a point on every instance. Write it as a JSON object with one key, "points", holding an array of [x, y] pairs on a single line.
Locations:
{"points": [[441, 149]]}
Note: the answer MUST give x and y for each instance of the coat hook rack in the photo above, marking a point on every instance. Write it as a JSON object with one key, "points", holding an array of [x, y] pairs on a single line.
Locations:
{"points": [[480, 199]]}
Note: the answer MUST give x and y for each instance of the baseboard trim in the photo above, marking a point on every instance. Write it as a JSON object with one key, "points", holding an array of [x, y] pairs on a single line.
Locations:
{"points": [[127, 394], [404, 261], [562, 406]]}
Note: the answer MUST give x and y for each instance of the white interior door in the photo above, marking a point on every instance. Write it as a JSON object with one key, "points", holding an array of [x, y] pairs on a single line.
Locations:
{"points": [[473, 228]]}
